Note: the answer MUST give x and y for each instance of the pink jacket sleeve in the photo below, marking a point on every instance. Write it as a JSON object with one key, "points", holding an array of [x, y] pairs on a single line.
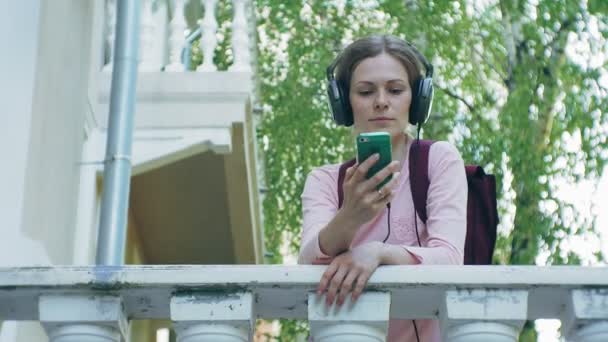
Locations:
{"points": [[446, 208], [319, 206]]}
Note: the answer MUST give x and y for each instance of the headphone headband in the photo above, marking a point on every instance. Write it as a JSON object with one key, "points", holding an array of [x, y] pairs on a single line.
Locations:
{"points": [[428, 67]]}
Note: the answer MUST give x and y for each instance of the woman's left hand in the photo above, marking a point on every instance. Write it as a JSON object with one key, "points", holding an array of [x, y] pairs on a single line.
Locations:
{"points": [[352, 268]]}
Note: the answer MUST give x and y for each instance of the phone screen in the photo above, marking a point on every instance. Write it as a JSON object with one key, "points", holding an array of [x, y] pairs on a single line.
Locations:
{"points": [[375, 142]]}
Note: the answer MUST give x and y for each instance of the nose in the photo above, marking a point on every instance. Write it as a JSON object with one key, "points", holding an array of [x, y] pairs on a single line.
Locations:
{"points": [[381, 100]]}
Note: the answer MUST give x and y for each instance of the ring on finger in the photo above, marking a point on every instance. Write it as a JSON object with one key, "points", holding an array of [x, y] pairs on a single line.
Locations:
{"points": [[380, 194]]}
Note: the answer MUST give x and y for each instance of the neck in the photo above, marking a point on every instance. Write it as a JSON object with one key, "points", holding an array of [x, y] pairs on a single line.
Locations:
{"points": [[399, 147]]}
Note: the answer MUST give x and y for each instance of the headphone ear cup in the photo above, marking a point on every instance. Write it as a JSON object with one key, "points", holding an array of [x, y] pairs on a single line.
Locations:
{"points": [[338, 104], [422, 101]]}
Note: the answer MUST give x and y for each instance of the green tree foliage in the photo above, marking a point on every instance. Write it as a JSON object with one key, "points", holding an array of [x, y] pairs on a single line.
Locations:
{"points": [[518, 90], [512, 92]]}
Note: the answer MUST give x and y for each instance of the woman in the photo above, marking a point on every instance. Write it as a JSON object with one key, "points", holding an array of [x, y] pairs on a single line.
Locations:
{"points": [[379, 77]]}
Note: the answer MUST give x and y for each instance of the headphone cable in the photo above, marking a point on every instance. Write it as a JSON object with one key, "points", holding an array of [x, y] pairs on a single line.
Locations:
{"points": [[388, 222], [415, 218]]}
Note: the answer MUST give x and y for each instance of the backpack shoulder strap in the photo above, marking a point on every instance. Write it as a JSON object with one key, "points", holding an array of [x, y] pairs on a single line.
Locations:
{"points": [[419, 174], [341, 174]]}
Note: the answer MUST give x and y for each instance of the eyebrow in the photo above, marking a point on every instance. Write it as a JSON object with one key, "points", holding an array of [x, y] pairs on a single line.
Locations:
{"points": [[389, 81]]}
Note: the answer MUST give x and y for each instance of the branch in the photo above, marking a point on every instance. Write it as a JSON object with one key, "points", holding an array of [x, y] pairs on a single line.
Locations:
{"points": [[510, 43], [498, 72], [457, 97], [548, 77]]}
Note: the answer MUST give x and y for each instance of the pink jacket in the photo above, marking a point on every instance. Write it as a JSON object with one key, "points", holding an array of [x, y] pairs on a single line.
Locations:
{"points": [[442, 237]]}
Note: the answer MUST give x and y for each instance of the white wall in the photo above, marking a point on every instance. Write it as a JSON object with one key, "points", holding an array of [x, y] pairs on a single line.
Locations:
{"points": [[45, 68], [59, 105], [19, 26]]}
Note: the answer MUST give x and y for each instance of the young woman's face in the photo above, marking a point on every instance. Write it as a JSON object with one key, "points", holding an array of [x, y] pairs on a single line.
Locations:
{"points": [[380, 95]]}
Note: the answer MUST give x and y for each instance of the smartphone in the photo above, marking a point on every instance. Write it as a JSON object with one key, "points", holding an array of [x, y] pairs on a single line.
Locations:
{"points": [[375, 142]]}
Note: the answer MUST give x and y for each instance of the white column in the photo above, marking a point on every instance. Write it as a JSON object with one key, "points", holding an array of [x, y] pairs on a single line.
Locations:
{"points": [[362, 321], [111, 30], [177, 37], [208, 40], [479, 315], [586, 316], [225, 317], [240, 38], [83, 318]]}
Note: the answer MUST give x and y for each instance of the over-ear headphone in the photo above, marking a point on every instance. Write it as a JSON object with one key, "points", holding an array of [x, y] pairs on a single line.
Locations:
{"points": [[420, 107]]}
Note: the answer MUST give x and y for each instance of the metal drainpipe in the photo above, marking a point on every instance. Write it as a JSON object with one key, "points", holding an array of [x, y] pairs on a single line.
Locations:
{"points": [[117, 169]]}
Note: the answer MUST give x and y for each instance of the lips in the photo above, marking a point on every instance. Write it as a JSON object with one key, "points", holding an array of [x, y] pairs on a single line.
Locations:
{"points": [[382, 118]]}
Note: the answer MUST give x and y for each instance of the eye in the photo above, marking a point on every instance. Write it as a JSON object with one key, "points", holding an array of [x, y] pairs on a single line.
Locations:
{"points": [[365, 92], [396, 91]]}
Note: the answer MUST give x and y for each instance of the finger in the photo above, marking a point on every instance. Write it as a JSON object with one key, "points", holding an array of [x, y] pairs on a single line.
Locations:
{"points": [[361, 171], [350, 172], [379, 205], [335, 284], [326, 277], [384, 194], [361, 282], [373, 182], [347, 285], [388, 188]]}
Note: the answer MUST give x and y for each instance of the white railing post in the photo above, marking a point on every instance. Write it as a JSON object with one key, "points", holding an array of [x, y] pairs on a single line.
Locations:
{"points": [[225, 317], [586, 316], [177, 37], [362, 321], [208, 40], [86, 318], [240, 38], [110, 22], [479, 315], [151, 39]]}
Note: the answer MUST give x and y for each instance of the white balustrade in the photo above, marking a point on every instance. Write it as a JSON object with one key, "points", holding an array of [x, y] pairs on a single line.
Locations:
{"points": [[82, 318], [162, 39], [363, 321], [152, 35], [110, 28], [477, 315], [147, 38], [240, 39], [220, 303], [209, 317], [208, 43], [177, 37], [586, 316]]}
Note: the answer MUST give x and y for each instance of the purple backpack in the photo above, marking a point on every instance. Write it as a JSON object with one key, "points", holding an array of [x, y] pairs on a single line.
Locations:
{"points": [[482, 213]]}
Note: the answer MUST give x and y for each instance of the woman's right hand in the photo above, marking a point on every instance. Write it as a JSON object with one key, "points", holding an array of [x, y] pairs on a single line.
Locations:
{"points": [[362, 199]]}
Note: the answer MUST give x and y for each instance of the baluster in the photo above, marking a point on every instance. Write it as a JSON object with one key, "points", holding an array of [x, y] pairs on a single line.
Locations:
{"points": [[86, 318], [177, 38], [148, 56], [110, 22], [366, 320], [479, 315], [220, 317], [208, 40], [162, 34], [240, 38], [586, 316]]}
